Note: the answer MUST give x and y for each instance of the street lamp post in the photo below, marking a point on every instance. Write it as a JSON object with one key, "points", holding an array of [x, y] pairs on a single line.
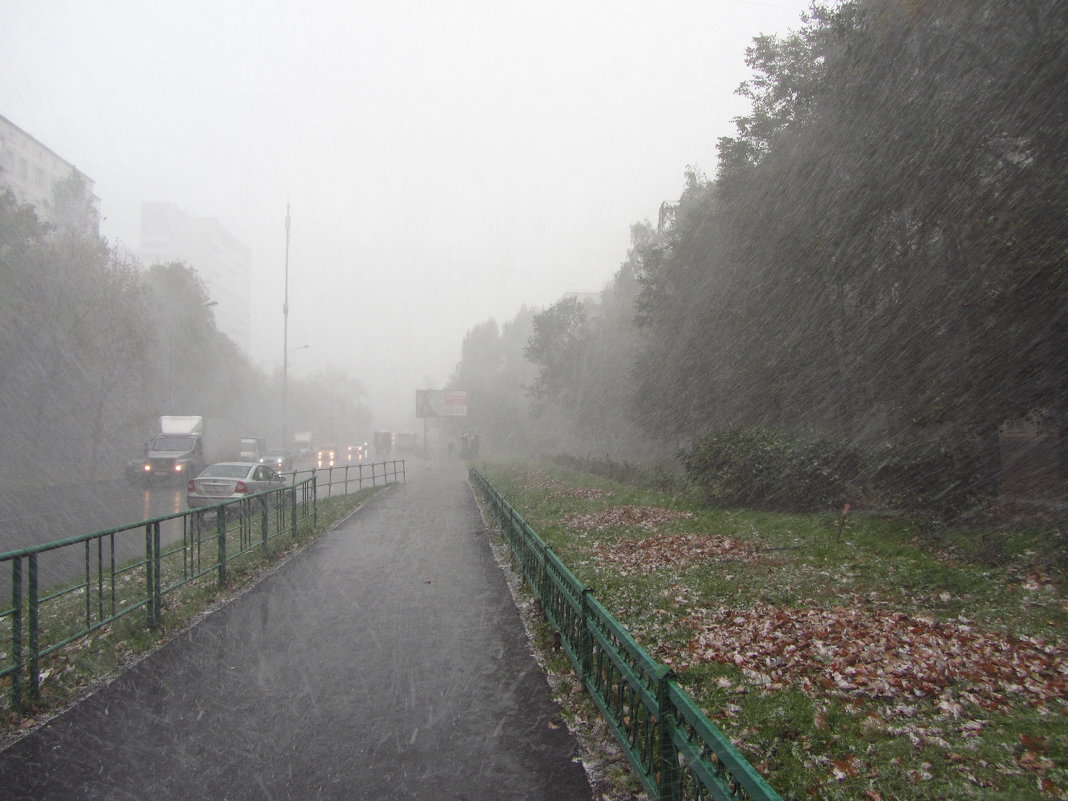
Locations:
{"points": [[285, 341], [285, 378]]}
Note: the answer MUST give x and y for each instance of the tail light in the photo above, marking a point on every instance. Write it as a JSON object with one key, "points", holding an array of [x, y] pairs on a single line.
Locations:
{"points": [[240, 486], [191, 486]]}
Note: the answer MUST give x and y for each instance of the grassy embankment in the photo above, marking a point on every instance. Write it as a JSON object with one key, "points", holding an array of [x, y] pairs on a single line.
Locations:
{"points": [[847, 658], [78, 668]]}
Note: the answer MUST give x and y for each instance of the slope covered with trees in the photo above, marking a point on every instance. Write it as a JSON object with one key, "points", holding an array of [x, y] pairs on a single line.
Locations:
{"points": [[880, 257]]}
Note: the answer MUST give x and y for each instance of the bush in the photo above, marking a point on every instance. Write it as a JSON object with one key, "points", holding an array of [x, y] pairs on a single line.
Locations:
{"points": [[932, 476], [762, 468]]}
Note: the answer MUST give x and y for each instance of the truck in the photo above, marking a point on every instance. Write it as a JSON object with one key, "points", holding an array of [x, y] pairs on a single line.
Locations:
{"points": [[184, 446], [252, 448], [302, 441], [176, 452], [383, 443]]}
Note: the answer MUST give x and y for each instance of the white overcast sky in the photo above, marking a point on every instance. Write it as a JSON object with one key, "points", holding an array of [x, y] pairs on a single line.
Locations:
{"points": [[446, 162]]}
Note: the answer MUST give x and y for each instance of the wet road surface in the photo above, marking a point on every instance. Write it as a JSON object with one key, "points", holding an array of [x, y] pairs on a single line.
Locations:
{"points": [[385, 662]]}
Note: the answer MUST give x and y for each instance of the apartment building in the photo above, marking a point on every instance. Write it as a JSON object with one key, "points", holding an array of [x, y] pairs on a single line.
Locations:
{"points": [[30, 169]]}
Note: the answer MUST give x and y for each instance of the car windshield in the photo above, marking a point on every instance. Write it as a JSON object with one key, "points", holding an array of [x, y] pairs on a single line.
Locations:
{"points": [[226, 471]]}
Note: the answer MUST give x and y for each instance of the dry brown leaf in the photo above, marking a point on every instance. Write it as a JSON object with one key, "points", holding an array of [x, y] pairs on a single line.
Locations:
{"points": [[890, 655]]}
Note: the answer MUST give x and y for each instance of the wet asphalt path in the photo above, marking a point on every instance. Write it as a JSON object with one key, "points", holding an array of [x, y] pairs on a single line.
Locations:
{"points": [[385, 662]]}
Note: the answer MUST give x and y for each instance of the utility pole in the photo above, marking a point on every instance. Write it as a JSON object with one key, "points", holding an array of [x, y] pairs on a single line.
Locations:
{"points": [[285, 342]]}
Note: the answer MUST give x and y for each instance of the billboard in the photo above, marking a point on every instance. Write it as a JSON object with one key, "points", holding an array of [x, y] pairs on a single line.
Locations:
{"points": [[441, 403]]}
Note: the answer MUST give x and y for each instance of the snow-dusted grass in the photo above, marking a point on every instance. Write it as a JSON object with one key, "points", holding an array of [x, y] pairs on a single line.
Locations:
{"points": [[848, 658]]}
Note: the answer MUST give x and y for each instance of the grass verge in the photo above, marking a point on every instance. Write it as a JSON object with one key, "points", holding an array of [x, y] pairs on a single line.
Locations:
{"points": [[78, 669], [847, 658]]}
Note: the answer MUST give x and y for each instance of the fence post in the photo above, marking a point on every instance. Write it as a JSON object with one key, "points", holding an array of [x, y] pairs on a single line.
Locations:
{"points": [[35, 680], [667, 760], [157, 585], [150, 612], [220, 527], [543, 575], [586, 636], [16, 633], [293, 508], [88, 575], [265, 519]]}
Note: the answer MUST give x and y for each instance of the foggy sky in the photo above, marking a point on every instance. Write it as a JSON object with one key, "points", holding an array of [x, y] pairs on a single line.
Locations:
{"points": [[446, 162]]}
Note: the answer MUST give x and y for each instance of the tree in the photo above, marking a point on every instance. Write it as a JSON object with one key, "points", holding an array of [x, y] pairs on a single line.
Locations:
{"points": [[556, 348], [494, 373], [74, 345], [879, 253], [185, 345]]}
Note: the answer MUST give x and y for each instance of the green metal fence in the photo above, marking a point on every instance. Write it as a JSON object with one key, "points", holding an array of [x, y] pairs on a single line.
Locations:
{"points": [[676, 751], [63, 591], [344, 477]]}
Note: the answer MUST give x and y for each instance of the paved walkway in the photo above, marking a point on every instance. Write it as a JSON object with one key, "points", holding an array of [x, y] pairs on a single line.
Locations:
{"points": [[385, 662]]}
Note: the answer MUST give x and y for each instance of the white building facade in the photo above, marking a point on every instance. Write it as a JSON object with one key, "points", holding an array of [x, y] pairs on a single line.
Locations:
{"points": [[30, 169]]}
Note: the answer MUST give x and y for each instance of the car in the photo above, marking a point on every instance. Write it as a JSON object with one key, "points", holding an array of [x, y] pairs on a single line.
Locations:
{"points": [[326, 456], [354, 453], [278, 458], [225, 481]]}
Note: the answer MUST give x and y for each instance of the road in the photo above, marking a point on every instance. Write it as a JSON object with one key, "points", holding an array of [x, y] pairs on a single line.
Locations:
{"points": [[387, 661], [34, 515], [37, 515]]}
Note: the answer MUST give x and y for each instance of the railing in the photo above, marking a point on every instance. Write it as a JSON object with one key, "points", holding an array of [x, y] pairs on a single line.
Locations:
{"points": [[348, 475], [65, 590], [675, 750]]}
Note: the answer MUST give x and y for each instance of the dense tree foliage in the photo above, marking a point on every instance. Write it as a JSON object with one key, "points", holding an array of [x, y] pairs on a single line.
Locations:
{"points": [[495, 375], [73, 341], [883, 250], [880, 257], [559, 380]]}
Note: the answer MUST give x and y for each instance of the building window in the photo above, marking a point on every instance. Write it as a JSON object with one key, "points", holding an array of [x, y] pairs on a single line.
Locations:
{"points": [[24, 169], [38, 175]]}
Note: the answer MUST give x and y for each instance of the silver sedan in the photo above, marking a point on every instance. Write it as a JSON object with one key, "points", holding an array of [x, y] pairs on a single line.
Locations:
{"points": [[227, 481]]}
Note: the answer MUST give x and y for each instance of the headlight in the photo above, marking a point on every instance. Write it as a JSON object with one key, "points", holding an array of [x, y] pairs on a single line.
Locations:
{"points": [[178, 468], [147, 468]]}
